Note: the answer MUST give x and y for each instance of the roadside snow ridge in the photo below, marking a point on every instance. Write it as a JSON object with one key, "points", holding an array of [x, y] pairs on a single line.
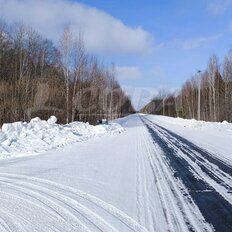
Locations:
{"points": [[21, 138]]}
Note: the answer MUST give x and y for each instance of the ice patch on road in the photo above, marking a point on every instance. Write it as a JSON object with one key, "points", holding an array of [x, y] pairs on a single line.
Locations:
{"points": [[40, 135]]}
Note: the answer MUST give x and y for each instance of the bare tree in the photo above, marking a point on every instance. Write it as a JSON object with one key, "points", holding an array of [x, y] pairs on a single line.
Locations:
{"points": [[66, 49], [227, 77], [38, 79], [80, 64]]}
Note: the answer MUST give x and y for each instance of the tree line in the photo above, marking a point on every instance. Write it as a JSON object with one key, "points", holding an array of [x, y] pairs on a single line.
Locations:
{"points": [[206, 96], [38, 78]]}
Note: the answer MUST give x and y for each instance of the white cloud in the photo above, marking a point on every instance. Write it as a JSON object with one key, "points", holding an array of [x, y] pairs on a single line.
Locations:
{"points": [[128, 73], [157, 72], [199, 41], [102, 32], [218, 7]]}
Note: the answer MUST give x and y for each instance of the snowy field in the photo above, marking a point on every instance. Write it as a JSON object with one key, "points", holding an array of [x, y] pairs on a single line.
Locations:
{"points": [[151, 174]]}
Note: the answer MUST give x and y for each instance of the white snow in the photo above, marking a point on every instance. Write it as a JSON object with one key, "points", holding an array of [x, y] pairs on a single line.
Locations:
{"points": [[215, 137], [119, 182], [20, 138]]}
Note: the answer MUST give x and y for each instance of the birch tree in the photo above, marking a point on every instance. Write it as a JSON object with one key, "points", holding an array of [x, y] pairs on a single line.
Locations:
{"points": [[227, 77], [66, 49]]}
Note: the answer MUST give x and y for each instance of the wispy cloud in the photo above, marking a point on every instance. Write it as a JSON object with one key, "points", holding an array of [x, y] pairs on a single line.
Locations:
{"points": [[128, 73], [200, 41], [230, 27], [218, 7], [157, 72], [102, 32]]}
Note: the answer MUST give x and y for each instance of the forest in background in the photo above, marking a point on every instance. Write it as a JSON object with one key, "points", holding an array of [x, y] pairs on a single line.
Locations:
{"points": [[40, 79], [206, 96]]}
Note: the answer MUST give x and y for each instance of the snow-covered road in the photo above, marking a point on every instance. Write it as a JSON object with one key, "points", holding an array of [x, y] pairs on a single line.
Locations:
{"points": [[144, 179]]}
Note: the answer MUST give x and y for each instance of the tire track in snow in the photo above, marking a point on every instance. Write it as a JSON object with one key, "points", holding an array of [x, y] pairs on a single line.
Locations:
{"points": [[23, 217], [146, 197], [145, 214], [138, 186], [23, 202], [160, 188], [118, 214], [53, 206], [93, 218], [180, 211], [7, 224], [194, 157], [213, 159], [194, 170]]}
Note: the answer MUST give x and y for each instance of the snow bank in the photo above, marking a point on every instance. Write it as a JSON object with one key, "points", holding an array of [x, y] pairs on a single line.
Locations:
{"points": [[199, 125], [216, 137], [39, 135]]}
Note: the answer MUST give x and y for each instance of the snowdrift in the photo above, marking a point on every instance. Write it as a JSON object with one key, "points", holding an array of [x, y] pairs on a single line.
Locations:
{"points": [[201, 125], [21, 138]]}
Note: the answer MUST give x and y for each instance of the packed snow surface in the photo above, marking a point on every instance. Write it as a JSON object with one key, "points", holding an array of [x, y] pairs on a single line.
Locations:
{"points": [[20, 138], [216, 137], [160, 175]]}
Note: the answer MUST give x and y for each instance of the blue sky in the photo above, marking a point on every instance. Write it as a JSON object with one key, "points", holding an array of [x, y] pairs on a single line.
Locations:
{"points": [[154, 44], [188, 32], [173, 24]]}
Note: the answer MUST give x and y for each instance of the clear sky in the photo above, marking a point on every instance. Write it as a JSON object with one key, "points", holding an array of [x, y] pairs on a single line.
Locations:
{"points": [[153, 43]]}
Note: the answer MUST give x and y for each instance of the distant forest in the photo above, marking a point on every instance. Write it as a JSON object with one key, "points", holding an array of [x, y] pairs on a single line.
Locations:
{"points": [[38, 78], [206, 96]]}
